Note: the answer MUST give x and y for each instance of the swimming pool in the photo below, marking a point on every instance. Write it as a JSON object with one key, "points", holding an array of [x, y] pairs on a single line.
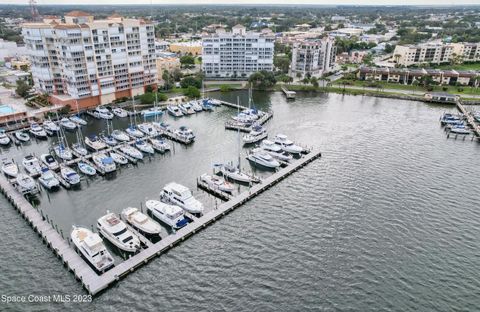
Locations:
{"points": [[5, 109]]}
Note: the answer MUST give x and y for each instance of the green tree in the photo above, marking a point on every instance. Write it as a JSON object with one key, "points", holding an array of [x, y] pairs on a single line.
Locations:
{"points": [[192, 92], [147, 98], [191, 81], [282, 63], [314, 82], [22, 88], [167, 80], [187, 60], [262, 80]]}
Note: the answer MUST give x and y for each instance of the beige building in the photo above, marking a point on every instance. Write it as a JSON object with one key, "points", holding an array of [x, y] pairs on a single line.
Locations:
{"points": [[183, 48], [166, 63]]}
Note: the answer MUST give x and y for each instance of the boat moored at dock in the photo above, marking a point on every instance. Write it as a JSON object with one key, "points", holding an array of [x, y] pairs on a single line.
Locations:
{"points": [[115, 231], [148, 129], [104, 163], [287, 145], [120, 112], [263, 159], [22, 136], [174, 111], [26, 184], [9, 168], [78, 120], [48, 180], [68, 124], [131, 151], [37, 131], [144, 146], [180, 195], [50, 127], [86, 169], [217, 183], [91, 247], [134, 132], [141, 221], [31, 164], [94, 143], [49, 161], [63, 152], [69, 175], [119, 159], [171, 215], [256, 134], [160, 145], [119, 135], [4, 139], [185, 133]]}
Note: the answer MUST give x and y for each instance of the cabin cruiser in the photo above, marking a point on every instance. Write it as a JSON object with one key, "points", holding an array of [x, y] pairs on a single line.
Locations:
{"points": [[104, 162], [77, 147], [449, 118], [86, 169], [174, 110], [134, 132], [119, 112], [4, 139], [264, 159], [185, 133], [180, 195], [275, 150], [217, 182], [141, 221], [115, 230], [119, 159], [48, 180], [69, 175], [279, 155], [22, 136], [49, 161], [79, 121], [95, 143], [186, 109], [256, 134], [171, 215], [50, 127], [109, 140], [235, 174], [26, 184], [37, 131], [32, 165], [206, 105], [119, 135], [245, 118], [9, 168], [287, 145], [102, 113], [68, 124], [160, 145], [144, 146], [459, 129], [63, 152], [213, 102], [196, 106], [131, 151], [92, 248], [164, 127], [148, 129], [153, 111]]}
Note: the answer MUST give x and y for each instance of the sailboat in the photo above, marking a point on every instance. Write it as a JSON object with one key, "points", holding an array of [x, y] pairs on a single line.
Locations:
{"points": [[79, 146], [109, 139], [132, 128], [61, 149]]}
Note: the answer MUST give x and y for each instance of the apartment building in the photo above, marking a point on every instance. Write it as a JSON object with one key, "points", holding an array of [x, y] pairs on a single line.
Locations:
{"points": [[313, 57], [186, 48], [87, 62], [237, 54], [468, 52]]}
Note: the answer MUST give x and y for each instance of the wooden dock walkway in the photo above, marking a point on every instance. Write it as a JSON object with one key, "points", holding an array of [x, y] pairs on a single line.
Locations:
{"points": [[233, 125], [213, 190], [289, 94], [470, 119]]}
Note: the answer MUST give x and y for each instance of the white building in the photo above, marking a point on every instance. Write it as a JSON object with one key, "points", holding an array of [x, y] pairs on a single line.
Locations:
{"points": [[314, 57], [91, 62], [237, 54]]}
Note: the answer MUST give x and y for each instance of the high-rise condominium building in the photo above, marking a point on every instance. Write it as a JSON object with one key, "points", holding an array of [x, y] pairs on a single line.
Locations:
{"points": [[237, 54], [89, 62], [313, 57]]}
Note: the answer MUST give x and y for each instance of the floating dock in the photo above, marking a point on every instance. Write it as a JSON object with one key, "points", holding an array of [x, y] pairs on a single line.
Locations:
{"points": [[213, 190], [289, 94], [470, 120], [94, 283], [233, 125]]}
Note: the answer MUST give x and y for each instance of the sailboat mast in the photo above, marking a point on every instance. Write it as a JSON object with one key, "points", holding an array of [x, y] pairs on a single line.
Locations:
{"points": [[238, 133]]}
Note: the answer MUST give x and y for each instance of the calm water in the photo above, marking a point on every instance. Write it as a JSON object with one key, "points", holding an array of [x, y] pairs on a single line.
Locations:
{"points": [[387, 219]]}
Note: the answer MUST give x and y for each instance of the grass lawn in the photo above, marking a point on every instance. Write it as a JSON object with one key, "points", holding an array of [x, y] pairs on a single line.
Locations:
{"points": [[466, 66]]}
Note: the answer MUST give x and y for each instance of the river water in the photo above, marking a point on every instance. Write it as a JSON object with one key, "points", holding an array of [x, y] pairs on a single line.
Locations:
{"points": [[386, 220]]}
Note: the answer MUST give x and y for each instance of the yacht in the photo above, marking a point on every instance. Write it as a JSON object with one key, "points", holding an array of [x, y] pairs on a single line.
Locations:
{"points": [[185, 133], [9, 168], [151, 112], [275, 150], [63, 152], [68, 124], [134, 132], [448, 118], [459, 129], [102, 113], [119, 159], [115, 230], [26, 184], [50, 127], [120, 112], [94, 143], [78, 147], [196, 106], [79, 121], [141, 221], [69, 175], [174, 111], [119, 135], [264, 159], [49, 161], [4, 139], [22, 136], [32, 165], [163, 127], [104, 162], [37, 131], [109, 140], [256, 134], [235, 174], [148, 129], [160, 145], [206, 105], [86, 169], [287, 145], [48, 180], [244, 118], [217, 182], [213, 102], [131, 151], [171, 215], [92, 248], [186, 109], [180, 195], [144, 146]]}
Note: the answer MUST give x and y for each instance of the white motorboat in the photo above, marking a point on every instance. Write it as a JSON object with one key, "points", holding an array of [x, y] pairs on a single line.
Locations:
{"points": [[197, 107], [78, 120], [104, 162], [50, 127], [26, 184], [244, 118], [172, 215], [256, 134], [4, 139], [459, 129], [22, 136], [119, 135], [233, 173], [68, 124], [144, 147], [206, 105], [134, 132], [86, 169], [186, 109], [49, 161], [217, 182], [95, 143], [92, 248], [131, 151], [69, 175], [32, 165], [287, 145], [9, 168], [214, 102], [48, 180], [148, 129], [150, 112], [141, 221], [102, 113], [280, 155], [119, 159], [264, 159], [160, 145], [185, 133], [77, 147], [63, 152], [115, 230], [109, 140], [120, 112], [180, 195], [174, 111], [37, 131], [275, 150]]}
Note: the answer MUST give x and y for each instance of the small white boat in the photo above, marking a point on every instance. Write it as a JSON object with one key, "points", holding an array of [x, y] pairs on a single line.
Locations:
{"points": [[9, 168], [275, 150], [217, 182], [186, 109], [174, 111], [235, 174], [37, 131], [185, 133], [104, 162], [256, 134], [153, 111], [48, 180], [26, 184], [148, 129], [119, 159], [79, 121], [160, 145], [32, 165], [109, 140], [49, 161], [50, 127], [86, 169], [95, 143], [115, 230], [4, 139], [102, 113], [180, 195], [141, 221], [119, 135], [264, 159], [68, 124], [92, 248], [63, 152], [119, 112], [144, 147], [214, 102], [287, 145], [131, 151], [69, 175], [197, 107], [459, 129], [134, 132], [77, 147], [22, 136], [171, 215]]}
